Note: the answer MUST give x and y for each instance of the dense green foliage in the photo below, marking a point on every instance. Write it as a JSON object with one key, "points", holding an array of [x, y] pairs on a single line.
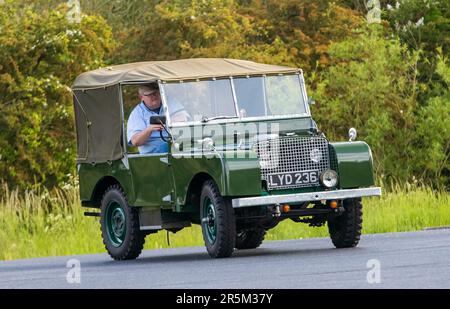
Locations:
{"points": [[378, 93], [389, 80], [40, 55]]}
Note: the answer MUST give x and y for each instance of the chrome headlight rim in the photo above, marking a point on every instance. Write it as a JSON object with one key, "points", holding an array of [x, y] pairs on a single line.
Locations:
{"points": [[329, 178]]}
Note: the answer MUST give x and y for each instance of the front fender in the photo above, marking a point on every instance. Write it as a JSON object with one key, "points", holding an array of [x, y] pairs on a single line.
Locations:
{"points": [[242, 173], [354, 164]]}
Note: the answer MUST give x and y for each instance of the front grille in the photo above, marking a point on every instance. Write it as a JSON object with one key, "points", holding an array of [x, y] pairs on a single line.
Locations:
{"points": [[292, 154]]}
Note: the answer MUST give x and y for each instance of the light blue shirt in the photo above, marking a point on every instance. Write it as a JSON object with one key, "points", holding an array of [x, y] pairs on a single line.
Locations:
{"points": [[138, 121]]}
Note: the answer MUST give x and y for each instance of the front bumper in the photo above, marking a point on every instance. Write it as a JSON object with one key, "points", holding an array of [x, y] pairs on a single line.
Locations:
{"points": [[305, 197]]}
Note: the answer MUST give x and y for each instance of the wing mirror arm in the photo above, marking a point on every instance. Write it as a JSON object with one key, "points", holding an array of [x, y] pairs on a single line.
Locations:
{"points": [[352, 134]]}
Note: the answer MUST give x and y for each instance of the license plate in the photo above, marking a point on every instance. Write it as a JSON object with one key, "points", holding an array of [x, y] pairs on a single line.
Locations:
{"points": [[293, 179]]}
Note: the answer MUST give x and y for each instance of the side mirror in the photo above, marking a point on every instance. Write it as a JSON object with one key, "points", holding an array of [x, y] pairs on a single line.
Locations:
{"points": [[158, 120], [351, 134], [311, 101], [162, 121]]}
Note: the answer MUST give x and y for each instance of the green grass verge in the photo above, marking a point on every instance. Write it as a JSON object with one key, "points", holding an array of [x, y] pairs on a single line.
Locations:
{"points": [[52, 223]]}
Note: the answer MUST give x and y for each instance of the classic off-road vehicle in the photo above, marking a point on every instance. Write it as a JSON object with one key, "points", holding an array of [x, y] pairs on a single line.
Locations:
{"points": [[249, 156]]}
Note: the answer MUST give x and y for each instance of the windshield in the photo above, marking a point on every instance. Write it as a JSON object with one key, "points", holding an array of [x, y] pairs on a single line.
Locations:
{"points": [[256, 97], [199, 100], [269, 96]]}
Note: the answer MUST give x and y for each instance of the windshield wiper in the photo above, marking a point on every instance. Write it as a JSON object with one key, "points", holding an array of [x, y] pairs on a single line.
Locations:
{"points": [[206, 119]]}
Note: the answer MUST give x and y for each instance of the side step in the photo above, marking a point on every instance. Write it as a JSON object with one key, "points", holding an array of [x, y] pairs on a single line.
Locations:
{"points": [[91, 214]]}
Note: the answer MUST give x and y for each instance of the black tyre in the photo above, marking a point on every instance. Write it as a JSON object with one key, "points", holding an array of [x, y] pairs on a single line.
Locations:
{"points": [[250, 239], [120, 226], [217, 221], [345, 230]]}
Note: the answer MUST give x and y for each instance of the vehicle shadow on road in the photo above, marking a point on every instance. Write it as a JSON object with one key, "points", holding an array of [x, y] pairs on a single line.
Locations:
{"points": [[237, 255], [169, 256]]}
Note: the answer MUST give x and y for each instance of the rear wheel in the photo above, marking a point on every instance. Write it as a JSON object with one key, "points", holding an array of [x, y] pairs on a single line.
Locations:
{"points": [[250, 239], [217, 221], [345, 230], [120, 226]]}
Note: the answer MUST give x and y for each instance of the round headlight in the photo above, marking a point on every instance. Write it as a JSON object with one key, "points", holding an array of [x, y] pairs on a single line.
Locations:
{"points": [[329, 178]]}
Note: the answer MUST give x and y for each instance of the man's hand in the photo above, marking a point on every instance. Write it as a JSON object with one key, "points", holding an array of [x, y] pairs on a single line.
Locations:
{"points": [[142, 137], [155, 127]]}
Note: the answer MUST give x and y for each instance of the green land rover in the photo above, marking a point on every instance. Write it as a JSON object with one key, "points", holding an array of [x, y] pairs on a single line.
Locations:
{"points": [[248, 157]]}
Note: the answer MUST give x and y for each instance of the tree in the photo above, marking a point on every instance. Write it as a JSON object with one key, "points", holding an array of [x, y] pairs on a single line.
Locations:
{"points": [[41, 53], [309, 27], [373, 87], [197, 28], [433, 159], [423, 25]]}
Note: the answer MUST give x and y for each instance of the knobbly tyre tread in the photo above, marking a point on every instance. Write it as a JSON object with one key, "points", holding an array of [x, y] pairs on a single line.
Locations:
{"points": [[134, 242], [226, 227], [345, 230], [252, 239]]}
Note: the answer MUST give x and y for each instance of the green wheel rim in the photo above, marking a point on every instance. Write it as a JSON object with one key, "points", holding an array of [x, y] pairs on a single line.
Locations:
{"points": [[209, 220], [116, 227]]}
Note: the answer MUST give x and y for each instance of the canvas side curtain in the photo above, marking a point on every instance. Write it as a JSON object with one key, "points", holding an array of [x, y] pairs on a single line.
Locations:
{"points": [[98, 120]]}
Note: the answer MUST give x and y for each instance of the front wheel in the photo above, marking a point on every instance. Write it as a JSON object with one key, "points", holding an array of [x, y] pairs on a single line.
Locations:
{"points": [[120, 226], [217, 221], [345, 230]]}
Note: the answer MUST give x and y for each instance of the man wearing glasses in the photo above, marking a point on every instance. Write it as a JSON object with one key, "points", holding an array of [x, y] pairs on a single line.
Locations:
{"points": [[146, 136], [140, 132]]}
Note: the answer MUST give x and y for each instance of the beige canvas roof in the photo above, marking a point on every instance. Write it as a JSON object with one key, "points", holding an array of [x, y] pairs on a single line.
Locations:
{"points": [[98, 115], [174, 70]]}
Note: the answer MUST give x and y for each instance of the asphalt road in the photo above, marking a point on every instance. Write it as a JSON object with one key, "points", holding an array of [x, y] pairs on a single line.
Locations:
{"points": [[394, 260]]}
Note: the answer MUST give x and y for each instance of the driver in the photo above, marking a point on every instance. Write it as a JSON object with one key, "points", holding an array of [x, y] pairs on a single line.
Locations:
{"points": [[140, 132]]}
